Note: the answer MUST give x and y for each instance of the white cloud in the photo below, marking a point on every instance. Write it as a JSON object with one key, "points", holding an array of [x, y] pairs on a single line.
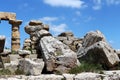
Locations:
{"points": [[48, 19], [113, 2], [89, 18], [78, 13], [65, 3], [111, 42], [97, 4], [23, 6], [57, 29]]}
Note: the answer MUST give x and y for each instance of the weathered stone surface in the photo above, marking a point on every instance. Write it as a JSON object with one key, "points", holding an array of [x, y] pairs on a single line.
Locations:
{"points": [[46, 27], [66, 34], [27, 44], [14, 57], [69, 76], [7, 51], [100, 52], [20, 52], [35, 22], [15, 43], [69, 39], [12, 66], [42, 33], [46, 77], [24, 53], [88, 76], [57, 55], [32, 29], [36, 29], [118, 53], [92, 37], [7, 16], [2, 43], [112, 75], [33, 67]]}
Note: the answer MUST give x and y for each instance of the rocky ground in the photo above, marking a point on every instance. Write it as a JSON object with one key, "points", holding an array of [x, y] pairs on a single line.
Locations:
{"points": [[45, 57]]}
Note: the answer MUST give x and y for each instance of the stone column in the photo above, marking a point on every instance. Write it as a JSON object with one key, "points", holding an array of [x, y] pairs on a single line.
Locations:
{"points": [[15, 40]]}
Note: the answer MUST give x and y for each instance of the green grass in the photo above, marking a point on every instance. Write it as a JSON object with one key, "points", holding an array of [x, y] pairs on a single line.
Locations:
{"points": [[5, 72], [86, 67], [19, 72]]}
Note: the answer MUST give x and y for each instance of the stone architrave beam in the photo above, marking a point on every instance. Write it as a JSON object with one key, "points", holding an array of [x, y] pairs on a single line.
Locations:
{"points": [[7, 16]]}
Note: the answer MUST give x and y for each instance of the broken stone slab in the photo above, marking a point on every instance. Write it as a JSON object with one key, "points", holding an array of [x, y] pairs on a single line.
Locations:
{"points": [[69, 76], [12, 66], [46, 27], [7, 16], [88, 76], [43, 33], [92, 37], [57, 55], [35, 22], [46, 77], [32, 29], [118, 53], [24, 53], [112, 75], [32, 67], [2, 43], [100, 52], [66, 34]]}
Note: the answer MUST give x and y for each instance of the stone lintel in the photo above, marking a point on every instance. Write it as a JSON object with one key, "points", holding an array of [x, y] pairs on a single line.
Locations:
{"points": [[35, 22], [7, 16], [15, 22]]}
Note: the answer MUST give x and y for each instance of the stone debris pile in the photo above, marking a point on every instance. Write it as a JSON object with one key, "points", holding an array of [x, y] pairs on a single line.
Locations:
{"points": [[95, 49], [57, 56], [69, 39]]}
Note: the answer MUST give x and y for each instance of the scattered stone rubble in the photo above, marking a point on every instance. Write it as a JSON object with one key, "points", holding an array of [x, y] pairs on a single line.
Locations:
{"points": [[33, 27], [95, 46], [55, 54], [107, 75], [69, 39], [27, 44]]}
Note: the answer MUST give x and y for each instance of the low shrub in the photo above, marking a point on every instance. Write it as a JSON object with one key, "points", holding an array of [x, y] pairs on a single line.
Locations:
{"points": [[5, 72], [86, 67]]}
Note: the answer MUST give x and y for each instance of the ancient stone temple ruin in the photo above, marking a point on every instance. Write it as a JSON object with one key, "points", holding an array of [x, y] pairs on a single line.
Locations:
{"points": [[15, 39], [64, 57]]}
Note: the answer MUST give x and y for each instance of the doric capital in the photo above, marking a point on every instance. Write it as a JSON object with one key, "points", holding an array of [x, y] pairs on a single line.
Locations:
{"points": [[15, 22]]}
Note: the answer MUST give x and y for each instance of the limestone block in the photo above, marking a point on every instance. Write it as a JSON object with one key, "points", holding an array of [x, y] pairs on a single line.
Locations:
{"points": [[69, 76], [55, 52], [88, 76], [92, 37], [35, 22], [100, 52], [7, 16], [31, 67], [46, 27], [46, 77], [12, 66], [66, 34]]}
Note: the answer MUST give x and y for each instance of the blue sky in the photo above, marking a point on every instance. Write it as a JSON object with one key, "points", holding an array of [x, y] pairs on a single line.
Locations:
{"points": [[78, 16]]}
